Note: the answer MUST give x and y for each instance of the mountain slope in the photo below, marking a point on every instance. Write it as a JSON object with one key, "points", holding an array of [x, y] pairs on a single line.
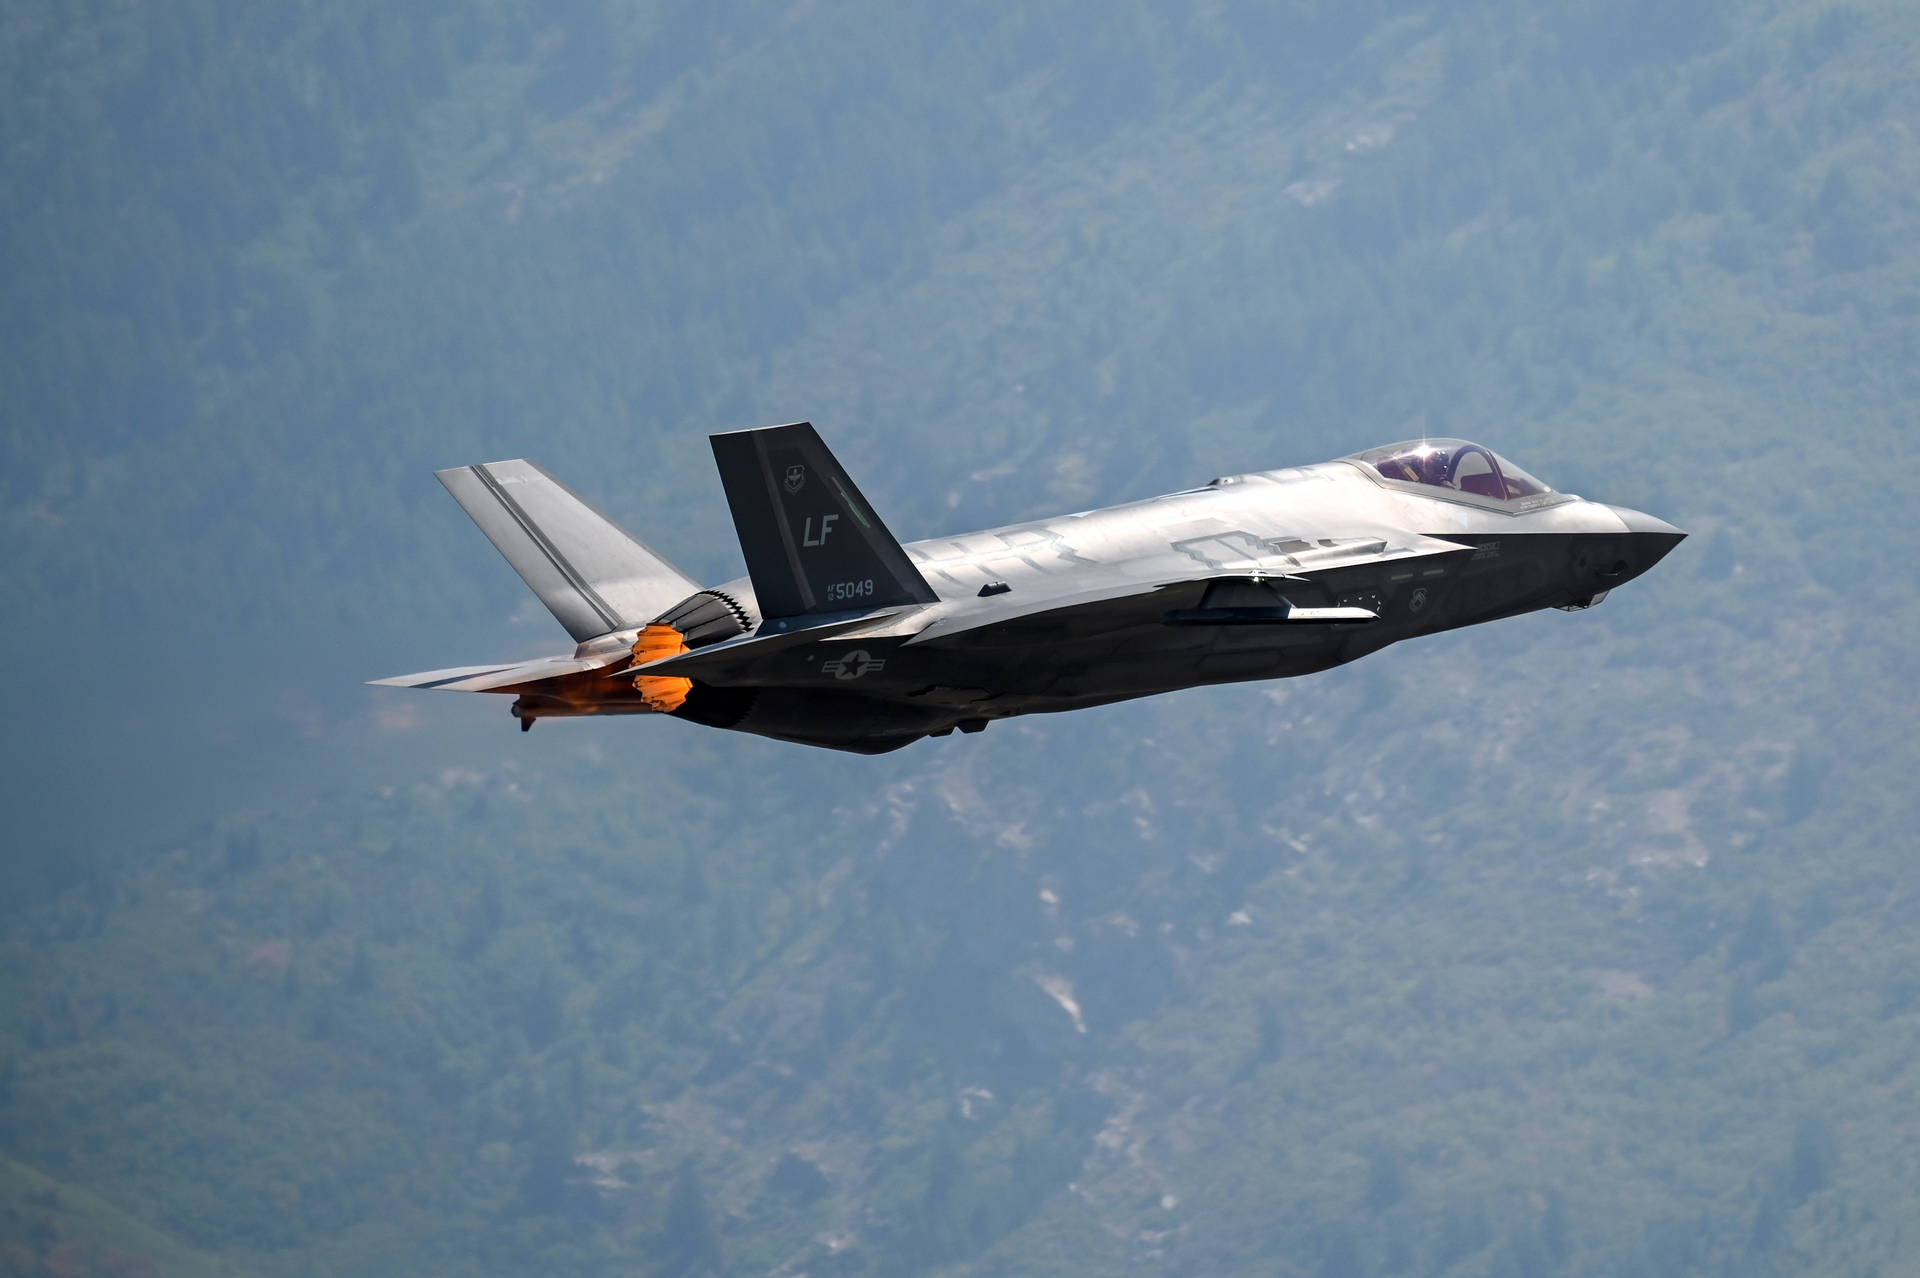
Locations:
{"points": [[1574, 944]]}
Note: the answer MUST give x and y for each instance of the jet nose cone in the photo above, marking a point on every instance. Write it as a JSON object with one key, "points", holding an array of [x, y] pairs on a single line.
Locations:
{"points": [[1652, 537], [1640, 522]]}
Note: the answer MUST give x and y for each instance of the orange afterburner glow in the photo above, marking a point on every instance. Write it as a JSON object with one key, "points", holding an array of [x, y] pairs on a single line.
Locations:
{"points": [[663, 693]]}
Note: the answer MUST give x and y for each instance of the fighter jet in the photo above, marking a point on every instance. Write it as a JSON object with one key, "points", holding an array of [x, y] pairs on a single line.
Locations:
{"points": [[839, 636]]}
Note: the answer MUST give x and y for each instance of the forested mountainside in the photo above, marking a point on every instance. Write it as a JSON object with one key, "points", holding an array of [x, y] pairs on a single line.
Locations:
{"points": [[1575, 944]]}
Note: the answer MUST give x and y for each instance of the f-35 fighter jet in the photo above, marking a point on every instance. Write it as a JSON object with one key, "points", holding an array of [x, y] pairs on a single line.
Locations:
{"points": [[839, 636]]}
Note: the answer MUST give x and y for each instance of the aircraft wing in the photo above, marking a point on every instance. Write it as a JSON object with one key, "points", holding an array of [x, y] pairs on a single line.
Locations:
{"points": [[1324, 565], [1092, 596]]}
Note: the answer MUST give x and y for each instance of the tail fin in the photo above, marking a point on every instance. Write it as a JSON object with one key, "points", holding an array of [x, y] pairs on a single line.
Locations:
{"points": [[811, 541], [590, 574]]}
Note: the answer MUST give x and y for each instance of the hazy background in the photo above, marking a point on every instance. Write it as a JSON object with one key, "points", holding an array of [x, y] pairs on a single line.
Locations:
{"points": [[1577, 944]]}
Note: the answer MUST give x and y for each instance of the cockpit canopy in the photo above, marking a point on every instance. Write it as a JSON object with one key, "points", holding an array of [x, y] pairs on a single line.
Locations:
{"points": [[1453, 464]]}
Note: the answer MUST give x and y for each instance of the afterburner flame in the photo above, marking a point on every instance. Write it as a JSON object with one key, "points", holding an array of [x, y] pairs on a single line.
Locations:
{"points": [[663, 693]]}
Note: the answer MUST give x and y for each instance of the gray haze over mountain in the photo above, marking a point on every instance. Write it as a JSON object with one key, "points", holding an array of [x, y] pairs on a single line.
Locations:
{"points": [[1575, 944]]}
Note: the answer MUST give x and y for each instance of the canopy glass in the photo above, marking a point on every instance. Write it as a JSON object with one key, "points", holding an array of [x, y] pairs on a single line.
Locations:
{"points": [[1453, 464]]}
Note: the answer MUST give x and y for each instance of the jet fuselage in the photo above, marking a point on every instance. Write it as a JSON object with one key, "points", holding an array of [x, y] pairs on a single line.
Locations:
{"points": [[874, 644]]}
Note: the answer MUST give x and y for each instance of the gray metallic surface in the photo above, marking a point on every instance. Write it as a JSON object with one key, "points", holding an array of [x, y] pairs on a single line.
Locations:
{"points": [[811, 542], [592, 576], [1257, 576]]}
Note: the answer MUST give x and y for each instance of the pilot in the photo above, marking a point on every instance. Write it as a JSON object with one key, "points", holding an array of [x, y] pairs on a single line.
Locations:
{"points": [[1432, 466]]}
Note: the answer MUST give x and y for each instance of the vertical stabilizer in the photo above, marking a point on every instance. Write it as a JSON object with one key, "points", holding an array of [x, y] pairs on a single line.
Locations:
{"points": [[812, 543], [592, 576]]}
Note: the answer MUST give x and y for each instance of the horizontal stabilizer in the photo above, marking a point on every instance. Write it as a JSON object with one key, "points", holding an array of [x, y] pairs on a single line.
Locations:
{"points": [[495, 677], [811, 541], [592, 576]]}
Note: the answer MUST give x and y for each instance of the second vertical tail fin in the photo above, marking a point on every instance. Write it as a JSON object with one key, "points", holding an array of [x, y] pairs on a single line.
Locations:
{"points": [[587, 570]]}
